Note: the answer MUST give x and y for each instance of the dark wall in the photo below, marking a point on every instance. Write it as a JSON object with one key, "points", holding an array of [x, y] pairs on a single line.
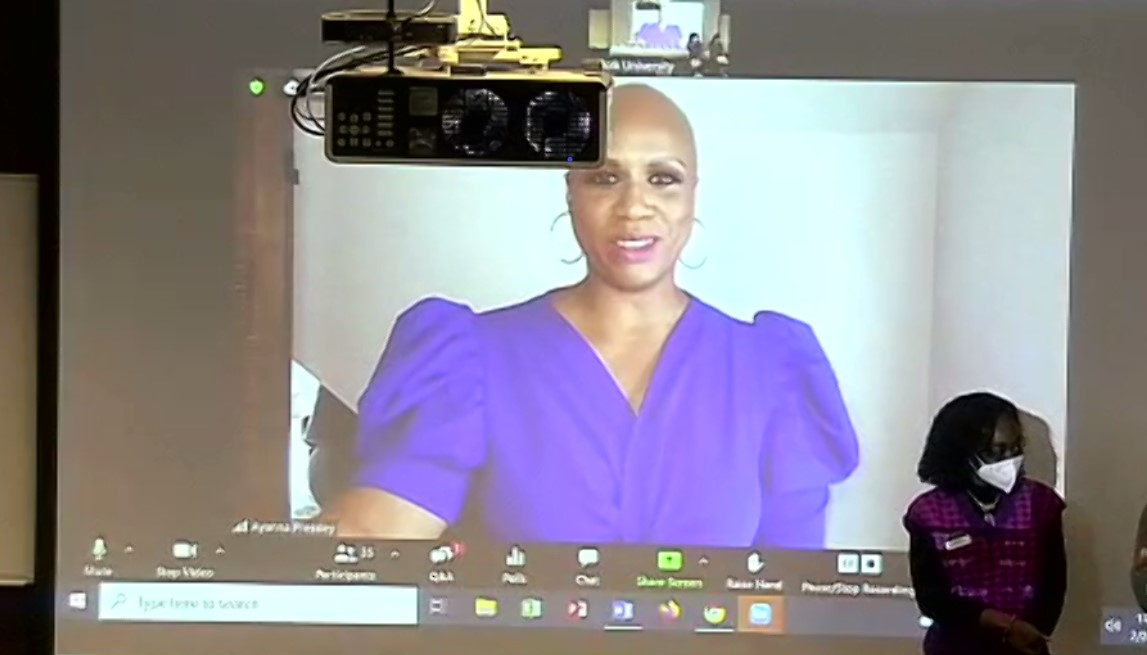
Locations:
{"points": [[29, 53], [15, 605]]}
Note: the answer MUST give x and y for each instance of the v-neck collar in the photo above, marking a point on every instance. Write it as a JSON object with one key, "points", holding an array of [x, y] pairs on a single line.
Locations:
{"points": [[581, 348]]}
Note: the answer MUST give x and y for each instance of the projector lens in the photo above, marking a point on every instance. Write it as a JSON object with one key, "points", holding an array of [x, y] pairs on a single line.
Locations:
{"points": [[476, 122], [558, 125]]}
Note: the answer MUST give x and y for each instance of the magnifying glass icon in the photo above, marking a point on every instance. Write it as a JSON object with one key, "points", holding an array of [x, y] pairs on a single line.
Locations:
{"points": [[120, 599]]}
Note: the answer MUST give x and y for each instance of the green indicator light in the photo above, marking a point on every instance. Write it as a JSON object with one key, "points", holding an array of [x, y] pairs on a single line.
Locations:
{"points": [[257, 87]]}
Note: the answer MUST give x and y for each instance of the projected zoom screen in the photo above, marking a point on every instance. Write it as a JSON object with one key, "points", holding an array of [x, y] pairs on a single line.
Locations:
{"points": [[698, 376], [685, 391]]}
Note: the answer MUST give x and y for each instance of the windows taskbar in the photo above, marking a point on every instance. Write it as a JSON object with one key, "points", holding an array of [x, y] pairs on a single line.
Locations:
{"points": [[410, 606]]}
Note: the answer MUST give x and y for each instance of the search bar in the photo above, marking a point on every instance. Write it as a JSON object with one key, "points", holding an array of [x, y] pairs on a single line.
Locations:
{"points": [[201, 602]]}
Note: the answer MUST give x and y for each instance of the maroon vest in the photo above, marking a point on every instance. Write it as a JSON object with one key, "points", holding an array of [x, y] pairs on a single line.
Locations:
{"points": [[993, 559]]}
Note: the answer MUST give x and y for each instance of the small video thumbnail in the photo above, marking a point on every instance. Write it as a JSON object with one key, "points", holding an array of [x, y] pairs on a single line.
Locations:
{"points": [[683, 38]]}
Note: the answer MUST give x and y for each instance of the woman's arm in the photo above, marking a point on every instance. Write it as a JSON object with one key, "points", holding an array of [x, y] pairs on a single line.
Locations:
{"points": [[933, 593], [937, 602], [421, 433], [1051, 587], [365, 513]]}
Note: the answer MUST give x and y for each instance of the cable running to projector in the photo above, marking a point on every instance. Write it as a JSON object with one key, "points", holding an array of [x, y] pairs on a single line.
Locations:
{"points": [[302, 107]]}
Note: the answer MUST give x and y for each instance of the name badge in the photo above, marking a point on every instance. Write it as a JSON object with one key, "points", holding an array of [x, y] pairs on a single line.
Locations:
{"points": [[956, 543]]}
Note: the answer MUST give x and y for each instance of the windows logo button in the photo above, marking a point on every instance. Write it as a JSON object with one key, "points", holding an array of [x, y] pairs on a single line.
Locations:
{"points": [[761, 614]]}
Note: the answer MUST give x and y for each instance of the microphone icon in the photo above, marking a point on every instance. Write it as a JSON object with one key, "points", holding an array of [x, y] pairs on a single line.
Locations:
{"points": [[99, 549]]}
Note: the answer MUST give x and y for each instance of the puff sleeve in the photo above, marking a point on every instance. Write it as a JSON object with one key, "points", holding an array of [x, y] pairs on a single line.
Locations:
{"points": [[420, 433], [809, 443]]}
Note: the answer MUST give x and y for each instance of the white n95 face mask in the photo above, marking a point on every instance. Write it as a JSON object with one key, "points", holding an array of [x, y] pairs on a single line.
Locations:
{"points": [[1002, 474]]}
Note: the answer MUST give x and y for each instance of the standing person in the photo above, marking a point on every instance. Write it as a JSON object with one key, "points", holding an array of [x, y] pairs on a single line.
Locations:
{"points": [[696, 53], [719, 56], [986, 547]]}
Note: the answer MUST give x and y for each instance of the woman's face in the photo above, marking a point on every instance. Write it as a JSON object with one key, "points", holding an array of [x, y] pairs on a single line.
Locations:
{"points": [[634, 215], [1007, 442]]}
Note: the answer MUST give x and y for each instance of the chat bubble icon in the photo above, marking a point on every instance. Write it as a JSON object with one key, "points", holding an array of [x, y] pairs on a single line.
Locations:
{"points": [[588, 557]]}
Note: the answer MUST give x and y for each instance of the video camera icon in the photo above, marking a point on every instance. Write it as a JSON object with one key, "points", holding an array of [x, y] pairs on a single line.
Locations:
{"points": [[185, 550]]}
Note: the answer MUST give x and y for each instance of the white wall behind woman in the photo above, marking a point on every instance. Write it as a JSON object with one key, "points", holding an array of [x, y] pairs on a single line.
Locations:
{"points": [[1002, 249]]}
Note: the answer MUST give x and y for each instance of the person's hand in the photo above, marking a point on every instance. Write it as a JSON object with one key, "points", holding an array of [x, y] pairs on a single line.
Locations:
{"points": [[1025, 638], [1017, 633]]}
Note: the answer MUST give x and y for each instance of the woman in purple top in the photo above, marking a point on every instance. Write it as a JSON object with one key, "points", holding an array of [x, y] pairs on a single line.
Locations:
{"points": [[986, 545], [618, 410], [660, 35]]}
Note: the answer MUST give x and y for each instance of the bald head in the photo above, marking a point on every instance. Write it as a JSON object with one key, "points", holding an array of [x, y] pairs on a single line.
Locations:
{"points": [[638, 109], [645, 189]]}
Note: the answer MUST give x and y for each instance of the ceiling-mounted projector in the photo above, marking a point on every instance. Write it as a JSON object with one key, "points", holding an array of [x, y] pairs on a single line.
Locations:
{"points": [[421, 88], [526, 118], [648, 5]]}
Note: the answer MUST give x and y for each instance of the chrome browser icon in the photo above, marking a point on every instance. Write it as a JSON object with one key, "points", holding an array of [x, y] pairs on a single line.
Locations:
{"points": [[714, 614]]}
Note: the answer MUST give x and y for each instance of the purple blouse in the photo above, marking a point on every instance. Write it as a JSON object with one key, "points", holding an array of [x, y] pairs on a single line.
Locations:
{"points": [[742, 431], [653, 35]]}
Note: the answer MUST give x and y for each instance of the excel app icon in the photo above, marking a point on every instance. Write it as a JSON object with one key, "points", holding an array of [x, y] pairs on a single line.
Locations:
{"points": [[670, 560]]}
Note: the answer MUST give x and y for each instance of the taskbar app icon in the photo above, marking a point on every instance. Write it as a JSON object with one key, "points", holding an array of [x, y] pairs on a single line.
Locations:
{"points": [[765, 614], [621, 611], [485, 608], [578, 609], [715, 615]]}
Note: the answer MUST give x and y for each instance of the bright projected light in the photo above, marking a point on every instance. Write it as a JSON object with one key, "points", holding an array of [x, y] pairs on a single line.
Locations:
{"points": [[679, 395], [461, 447]]}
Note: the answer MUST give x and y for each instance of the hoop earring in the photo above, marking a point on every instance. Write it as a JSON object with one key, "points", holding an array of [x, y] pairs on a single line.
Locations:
{"points": [[695, 267], [553, 226]]}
